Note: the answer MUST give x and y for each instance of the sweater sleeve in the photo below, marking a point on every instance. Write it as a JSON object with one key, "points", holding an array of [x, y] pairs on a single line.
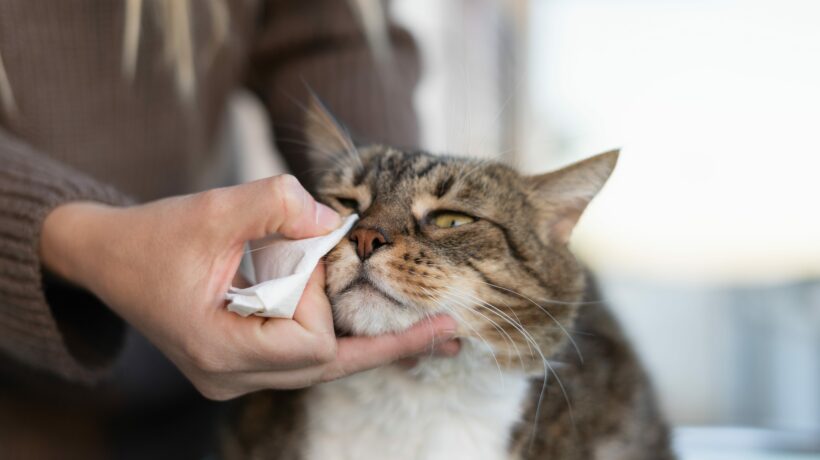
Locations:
{"points": [[320, 44], [45, 323]]}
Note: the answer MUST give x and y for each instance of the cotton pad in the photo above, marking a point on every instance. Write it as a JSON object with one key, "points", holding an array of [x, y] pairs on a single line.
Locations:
{"points": [[283, 267]]}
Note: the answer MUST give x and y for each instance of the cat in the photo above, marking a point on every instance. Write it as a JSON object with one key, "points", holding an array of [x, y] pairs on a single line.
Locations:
{"points": [[544, 371]]}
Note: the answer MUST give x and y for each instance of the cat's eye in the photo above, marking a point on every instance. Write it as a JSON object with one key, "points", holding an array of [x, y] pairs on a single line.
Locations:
{"points": [[349, 203], [450, 219]]}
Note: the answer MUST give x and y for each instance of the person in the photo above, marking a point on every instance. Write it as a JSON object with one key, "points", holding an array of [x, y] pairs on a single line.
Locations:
{"points": [[107, 132]]}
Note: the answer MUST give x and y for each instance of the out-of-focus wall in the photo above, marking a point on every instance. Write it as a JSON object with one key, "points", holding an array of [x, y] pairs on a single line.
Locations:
{"points": [[467, 97], [706, 237]]}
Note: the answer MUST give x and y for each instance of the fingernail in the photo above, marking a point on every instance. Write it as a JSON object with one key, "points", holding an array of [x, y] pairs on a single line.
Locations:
{"points": [[448, 327], [327, 218]]}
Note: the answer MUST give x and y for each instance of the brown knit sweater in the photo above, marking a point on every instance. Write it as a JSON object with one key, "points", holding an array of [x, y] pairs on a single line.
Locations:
{"points": [[81, 130]]}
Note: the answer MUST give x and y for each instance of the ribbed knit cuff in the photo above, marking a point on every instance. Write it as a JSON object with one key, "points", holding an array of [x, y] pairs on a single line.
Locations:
{"points": [[70, 333]]}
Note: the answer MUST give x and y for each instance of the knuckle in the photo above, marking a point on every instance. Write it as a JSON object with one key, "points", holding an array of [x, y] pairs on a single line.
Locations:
{"points": [[215, 392], [204, 361], [289, 193], [325, 349], [284, 182], [211, 203], [333, 372]]}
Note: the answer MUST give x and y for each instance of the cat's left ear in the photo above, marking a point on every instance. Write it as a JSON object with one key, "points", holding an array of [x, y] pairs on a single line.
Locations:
{"points": [[563, 195], [326, 137]]}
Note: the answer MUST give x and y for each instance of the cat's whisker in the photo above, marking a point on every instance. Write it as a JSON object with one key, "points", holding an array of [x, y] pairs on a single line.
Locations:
{"points": [[560, 327], [496, 325], [503, 316], [517, 326], [339, 161], [547, 370], [319, 117], [546, 300], [425, 314], [542, 308], [478, 163], [466, 323]]}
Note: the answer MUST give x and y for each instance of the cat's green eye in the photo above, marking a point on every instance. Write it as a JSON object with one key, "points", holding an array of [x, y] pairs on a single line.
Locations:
{"points": [[348, 203], [450, 219]]}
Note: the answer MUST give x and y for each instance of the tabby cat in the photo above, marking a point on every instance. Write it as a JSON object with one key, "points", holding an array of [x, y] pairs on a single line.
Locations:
{"points": [[544, 371]]}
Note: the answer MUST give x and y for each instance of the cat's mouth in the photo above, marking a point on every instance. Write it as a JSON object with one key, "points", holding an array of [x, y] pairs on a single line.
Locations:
{"points": [[368, 305], [363, 283]]}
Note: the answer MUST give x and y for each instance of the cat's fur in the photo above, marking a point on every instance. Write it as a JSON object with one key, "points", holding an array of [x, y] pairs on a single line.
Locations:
{"points": [[526, 308]]}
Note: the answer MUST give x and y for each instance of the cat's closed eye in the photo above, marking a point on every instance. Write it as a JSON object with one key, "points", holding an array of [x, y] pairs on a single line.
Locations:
{"points": [[449, 219], [349, 203]]}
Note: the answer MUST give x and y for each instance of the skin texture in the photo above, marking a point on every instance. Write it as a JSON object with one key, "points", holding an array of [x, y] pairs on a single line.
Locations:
{"points": [[165, 266], [506, 275]]}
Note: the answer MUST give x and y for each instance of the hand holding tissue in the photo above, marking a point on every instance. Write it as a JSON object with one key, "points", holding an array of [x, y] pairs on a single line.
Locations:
{"points": [[282, 268]]}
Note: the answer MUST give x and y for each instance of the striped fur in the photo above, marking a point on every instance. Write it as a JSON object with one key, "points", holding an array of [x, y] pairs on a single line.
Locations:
{"points": [[525, 306]]}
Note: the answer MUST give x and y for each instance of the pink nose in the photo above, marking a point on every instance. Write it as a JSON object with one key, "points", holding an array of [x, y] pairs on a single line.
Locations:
{"points": [[367, 241]]}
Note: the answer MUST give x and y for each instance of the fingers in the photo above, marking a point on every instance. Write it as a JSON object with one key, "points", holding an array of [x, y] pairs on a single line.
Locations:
{"points": [[448, 349], [239, 281], [277, 344], [280, 205], [356, 354], [260, 345], [313, 311]]}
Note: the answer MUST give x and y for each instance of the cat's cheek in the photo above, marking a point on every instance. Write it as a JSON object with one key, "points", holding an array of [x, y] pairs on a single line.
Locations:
{"points": [[341, 268]]}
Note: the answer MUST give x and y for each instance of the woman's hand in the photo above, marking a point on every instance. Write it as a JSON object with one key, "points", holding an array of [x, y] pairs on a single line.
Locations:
{"points": [[165, 267]]}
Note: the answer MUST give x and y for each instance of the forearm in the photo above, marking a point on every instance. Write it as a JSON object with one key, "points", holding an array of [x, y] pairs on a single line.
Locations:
{"points": [[31, 186], [71, 239]]}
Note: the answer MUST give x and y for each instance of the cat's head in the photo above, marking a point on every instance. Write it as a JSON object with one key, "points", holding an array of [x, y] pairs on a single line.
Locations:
{"points": [[441, 234]]}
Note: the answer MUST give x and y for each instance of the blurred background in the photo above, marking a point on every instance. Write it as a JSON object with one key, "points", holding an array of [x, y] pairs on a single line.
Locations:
{"points": [[707, 238]]}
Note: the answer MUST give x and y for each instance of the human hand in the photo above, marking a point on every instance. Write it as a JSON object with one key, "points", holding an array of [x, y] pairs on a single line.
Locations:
{"points": [[166, 265]]}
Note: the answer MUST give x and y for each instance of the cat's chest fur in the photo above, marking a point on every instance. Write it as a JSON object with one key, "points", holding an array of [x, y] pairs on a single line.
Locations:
{"points": [[442, 410]]}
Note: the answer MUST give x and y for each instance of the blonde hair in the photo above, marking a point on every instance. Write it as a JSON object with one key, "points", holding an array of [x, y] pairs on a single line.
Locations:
{"points": [[7, 102], [373, 20], [174, 19]]}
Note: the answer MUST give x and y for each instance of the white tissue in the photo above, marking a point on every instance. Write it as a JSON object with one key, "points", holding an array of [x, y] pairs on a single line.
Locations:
{"points": [[282, 268]]}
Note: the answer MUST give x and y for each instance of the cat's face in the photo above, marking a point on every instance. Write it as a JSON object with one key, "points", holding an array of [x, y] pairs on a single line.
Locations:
{"points": [[474, 240]]}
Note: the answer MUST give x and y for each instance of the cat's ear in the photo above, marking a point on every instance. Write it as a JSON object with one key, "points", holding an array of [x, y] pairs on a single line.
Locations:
{"points": [[563, 195], [326, 137]]}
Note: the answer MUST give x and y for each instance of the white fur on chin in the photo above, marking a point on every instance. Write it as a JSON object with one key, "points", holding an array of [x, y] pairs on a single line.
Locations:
{"points": [[444, 408], [363, 311]]}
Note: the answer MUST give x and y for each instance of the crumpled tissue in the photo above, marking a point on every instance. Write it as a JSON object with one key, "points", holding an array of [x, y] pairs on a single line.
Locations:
{"points": [[282, 268]]}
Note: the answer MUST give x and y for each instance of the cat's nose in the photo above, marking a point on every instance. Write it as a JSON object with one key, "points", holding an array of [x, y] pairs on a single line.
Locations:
{"points": [[367, 241]]}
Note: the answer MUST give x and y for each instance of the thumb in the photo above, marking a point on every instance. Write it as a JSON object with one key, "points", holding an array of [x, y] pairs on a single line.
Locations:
{"points": [[280, 204]]}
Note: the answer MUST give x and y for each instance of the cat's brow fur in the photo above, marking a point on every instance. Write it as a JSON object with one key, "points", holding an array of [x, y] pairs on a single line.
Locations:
{"points": [[510, 281]]}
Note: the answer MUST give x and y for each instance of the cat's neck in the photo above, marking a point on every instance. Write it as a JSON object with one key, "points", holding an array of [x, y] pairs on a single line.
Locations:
{"points": [[457, 408], [474, 367]]}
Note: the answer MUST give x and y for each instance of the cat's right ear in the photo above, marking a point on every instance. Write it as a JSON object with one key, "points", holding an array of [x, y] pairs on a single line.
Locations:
{"points": [[563, 195], [327, 139]]}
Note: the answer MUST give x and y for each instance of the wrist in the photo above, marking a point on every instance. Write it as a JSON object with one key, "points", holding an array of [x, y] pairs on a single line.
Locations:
{"points": [[70, 237]]}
